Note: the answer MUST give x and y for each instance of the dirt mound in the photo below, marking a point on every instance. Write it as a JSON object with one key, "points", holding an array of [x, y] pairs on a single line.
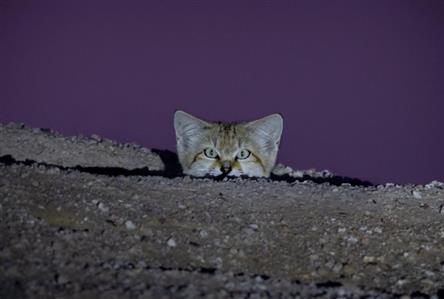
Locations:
{"points": [[84, 219]]}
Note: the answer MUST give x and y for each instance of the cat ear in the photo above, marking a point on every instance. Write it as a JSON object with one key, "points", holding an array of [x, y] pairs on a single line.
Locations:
{"points": [[269, 129], [187, 126]]}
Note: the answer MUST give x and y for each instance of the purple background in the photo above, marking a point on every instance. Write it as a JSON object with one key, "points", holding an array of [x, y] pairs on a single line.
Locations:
{"points": [[360, 84]]}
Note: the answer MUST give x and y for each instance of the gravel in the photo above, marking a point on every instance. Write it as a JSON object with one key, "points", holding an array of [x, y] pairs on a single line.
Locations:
{"points": [[74, 225], [47, 146]]}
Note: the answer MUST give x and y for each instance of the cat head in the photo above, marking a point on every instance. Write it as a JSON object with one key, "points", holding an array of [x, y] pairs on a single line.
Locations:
{"points": [[233, 149]]}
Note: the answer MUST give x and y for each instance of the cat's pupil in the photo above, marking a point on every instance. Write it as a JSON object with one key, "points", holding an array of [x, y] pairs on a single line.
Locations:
{"points": [[210, 153], [243, 154]]}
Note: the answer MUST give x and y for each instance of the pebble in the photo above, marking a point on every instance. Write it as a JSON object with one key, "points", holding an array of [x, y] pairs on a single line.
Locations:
{"points": [[35, 183], [102, 207], [378, 230], [416, 194], [96, 137], [297, 174], [130, 225], [369, 259], [352, 239], [337, 268], [254, 226], [61, 279], [53, 170], [435, 184], [171, 242], [314, 257], [402, 282]]}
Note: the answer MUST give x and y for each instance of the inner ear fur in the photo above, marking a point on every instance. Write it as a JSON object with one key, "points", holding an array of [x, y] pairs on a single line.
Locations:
{"points": [[269, 127], [186, 125]]}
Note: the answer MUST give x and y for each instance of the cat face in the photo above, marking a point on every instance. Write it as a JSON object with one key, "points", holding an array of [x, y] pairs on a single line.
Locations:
{"points": [[233, 149]]}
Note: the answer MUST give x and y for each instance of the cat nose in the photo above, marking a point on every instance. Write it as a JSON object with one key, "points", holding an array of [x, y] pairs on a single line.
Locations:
{"points": [[226, 166]]}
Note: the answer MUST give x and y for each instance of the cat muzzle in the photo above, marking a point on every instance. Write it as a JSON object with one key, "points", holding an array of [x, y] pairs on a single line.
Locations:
{"points": [[226, 167]]}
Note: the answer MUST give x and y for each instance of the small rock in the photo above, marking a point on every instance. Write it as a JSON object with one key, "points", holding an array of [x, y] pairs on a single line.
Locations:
{"points": [[254, 226], [326, 173], [416, 195], [423, 205], [281, 169], [352, 239], [378, 230], [53, 170], [96, 137], [145, 150], [435, 184], [130, 225], [314, 257], [337, 268], [402, 282], [171, 242], [60, 279], [102, 207], [219, 262], [297, 174], [369, 259]]}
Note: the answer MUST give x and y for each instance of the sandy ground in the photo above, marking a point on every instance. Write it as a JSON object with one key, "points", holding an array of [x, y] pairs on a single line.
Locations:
{"points": [[90, 218]]}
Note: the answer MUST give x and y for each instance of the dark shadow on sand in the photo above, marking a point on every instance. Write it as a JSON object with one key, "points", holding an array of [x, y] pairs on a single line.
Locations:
{"points": [[173, 169]]}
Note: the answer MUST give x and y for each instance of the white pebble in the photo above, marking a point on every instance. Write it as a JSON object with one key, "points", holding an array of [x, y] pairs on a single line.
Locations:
{"points": [[103, 208], [171, 242], [416, 195], [130, 225]]}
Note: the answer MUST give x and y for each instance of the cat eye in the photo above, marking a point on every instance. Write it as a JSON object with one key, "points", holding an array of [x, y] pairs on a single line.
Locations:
{"points": [[210, 153], [243, 154]]}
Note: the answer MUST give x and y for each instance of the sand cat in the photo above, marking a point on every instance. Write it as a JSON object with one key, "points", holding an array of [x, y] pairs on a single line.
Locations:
{"points": [[227, 149]]}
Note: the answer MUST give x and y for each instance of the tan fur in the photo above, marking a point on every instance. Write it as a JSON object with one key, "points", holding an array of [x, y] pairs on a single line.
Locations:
{"points": [[261, 138]]}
